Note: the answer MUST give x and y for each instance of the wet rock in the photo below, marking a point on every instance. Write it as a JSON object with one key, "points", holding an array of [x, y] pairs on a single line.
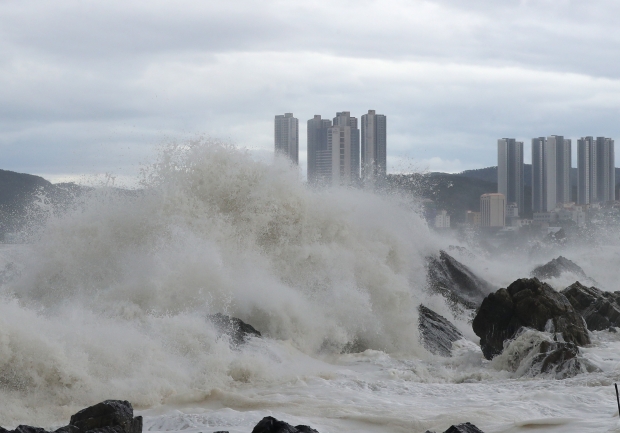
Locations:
{"points": [[436, 332], [526, 303], [556, 268], [455, 281], [462, 428], [237, 330], [114, 416], [110, 416], [533, 353], [271, 425], [600, 310]]}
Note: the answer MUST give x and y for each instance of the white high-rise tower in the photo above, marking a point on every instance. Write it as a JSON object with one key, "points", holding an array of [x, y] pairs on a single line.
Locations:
{"points": [[286, 136], [374, 143]]}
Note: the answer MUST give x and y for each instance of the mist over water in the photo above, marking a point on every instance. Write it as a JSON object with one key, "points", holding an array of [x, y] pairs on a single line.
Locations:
{"points": [[111, 300]]}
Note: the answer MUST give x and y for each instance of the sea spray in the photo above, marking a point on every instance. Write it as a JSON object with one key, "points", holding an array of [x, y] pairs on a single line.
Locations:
{"points": [[113, 296]]}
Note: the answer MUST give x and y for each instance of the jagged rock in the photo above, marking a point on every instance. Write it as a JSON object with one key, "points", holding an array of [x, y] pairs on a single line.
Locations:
{"points": [[110, 416], [462, 428], [600, 310], [455, 281], [436, 332], [237, 330], [271, 425], [526, 303], [557, 267]]}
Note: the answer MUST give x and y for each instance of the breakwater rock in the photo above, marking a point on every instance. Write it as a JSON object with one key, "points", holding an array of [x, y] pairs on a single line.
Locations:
{"points": [[526, 303], [455, 281], [436, 332], [600, 310], [109, 416]]}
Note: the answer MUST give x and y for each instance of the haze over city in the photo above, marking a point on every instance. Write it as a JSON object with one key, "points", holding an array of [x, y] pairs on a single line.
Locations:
{"points": [[91, 88]]}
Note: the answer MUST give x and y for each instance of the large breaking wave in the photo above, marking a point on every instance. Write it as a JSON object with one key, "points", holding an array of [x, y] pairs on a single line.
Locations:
{"points": [[111, 299]]}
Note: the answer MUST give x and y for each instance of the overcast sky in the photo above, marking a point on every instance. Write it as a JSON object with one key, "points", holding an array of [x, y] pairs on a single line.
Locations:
{"points": [[93, 87]]}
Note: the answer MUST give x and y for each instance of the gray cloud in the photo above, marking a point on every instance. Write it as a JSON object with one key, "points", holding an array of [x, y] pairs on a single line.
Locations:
{"points": [[95, 87]]}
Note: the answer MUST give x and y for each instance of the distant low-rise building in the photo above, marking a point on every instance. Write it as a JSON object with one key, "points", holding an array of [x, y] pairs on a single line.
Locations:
{"points": [[545, 217], [472, 218], [493, 210], [442, 220]]}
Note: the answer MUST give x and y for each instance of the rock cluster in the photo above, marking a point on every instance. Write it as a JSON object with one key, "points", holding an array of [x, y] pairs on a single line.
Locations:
{"points": [[110, 416], [531, 304], [462, 428], [455, 281], [436, 332], [600, 310]]}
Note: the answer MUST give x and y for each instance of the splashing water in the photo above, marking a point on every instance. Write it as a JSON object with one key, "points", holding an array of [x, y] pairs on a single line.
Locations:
{"points": [[111, 301]]}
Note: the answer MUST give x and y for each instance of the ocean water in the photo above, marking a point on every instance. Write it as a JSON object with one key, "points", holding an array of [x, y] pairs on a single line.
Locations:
{"points": [[109, 300]]}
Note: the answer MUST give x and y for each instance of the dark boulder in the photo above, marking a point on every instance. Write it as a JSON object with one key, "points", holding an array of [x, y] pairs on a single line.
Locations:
{"points": [[600, 310], [531, 304], [110, 416], [236, 329], [455, 281], [436, 332], [557, 267], [462, 428], [271, 425], [113, 416]]}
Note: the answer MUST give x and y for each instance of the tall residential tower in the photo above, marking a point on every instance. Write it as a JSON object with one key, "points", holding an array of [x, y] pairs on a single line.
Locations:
{"points": [[510, 170], [551, 165], [287, 136], [339, 162], [596, 170], [317, 142], [374, 143]]}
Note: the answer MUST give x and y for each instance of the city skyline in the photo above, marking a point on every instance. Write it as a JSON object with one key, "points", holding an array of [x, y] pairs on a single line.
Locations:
{"points": [[100, 87]]}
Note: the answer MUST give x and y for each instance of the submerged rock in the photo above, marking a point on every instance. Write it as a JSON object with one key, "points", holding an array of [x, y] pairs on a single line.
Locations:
{"points": [[109, 416], [526, 303], [455, 281], [556, 268], [271, 425], [462, 428], [436, 332], [237, 330], [600, 310], [533, 353]]}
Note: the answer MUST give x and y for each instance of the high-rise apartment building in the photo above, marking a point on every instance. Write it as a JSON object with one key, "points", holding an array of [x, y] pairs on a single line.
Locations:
{"points": [[551, 165], [493, 210], [510, 170], [339, 163], [605, 170], [287, 136], [586, 170], [317, 142], [538, 164], [374, 147]]}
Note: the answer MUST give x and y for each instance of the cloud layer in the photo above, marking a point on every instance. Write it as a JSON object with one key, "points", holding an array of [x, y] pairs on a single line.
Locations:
{"points": [[91, 87]]}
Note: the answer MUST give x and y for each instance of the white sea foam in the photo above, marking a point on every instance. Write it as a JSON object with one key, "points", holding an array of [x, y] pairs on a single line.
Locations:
{"points": [[111, 301]]}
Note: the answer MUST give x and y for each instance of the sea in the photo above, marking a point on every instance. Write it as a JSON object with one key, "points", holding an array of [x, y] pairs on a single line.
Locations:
{"points": [[110, 298]]}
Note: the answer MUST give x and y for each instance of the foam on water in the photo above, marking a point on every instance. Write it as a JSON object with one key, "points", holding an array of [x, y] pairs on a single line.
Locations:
{"points": [[111, 301]]}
